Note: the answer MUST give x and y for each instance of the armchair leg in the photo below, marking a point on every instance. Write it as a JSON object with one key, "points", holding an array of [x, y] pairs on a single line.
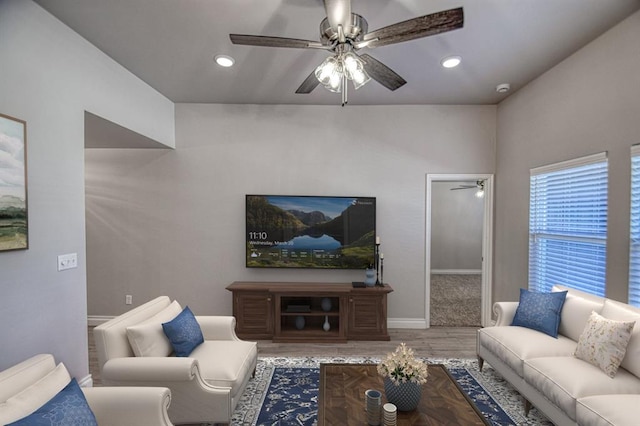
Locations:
{"points": [[480, 363], [527, 407]]}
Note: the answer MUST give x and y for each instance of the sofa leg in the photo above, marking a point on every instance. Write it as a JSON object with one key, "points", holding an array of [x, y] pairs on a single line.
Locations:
{"points": [[527, 407], [480, 363]]}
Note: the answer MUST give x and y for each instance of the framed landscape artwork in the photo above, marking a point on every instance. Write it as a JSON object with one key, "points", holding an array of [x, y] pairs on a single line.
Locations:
{"points": [[14, 229]]}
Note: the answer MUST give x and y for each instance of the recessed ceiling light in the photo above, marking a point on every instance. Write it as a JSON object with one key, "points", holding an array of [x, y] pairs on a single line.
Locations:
{"points": [[225, 61], [451, 61]]}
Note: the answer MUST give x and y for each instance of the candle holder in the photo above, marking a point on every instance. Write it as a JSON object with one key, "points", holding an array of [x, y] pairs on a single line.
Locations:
{"points": [[376, 261], [381, 272]]}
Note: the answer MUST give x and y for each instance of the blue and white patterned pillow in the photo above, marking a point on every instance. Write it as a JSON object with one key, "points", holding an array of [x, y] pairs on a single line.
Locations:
{"points": [[540, 311], [183, 332], [68, 408]]}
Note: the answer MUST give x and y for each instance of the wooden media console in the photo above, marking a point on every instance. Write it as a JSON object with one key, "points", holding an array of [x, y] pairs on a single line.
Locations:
{"points": [[309, 312]]}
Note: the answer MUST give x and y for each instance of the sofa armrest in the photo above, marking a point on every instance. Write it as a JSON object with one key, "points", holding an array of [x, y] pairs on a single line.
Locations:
{"points": [[141, 406], [504, 311], [216, 327], [149, 369]]}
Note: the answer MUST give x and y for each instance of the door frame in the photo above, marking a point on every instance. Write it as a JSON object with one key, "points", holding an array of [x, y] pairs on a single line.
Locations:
{"points": [[487, 241]]}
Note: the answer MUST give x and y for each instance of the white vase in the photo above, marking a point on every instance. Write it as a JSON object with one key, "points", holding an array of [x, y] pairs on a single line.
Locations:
{"points": [[326, 326]]}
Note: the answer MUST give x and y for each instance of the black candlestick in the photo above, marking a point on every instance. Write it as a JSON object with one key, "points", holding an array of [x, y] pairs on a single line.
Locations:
{"points": [[381, 272], [377, 263]]}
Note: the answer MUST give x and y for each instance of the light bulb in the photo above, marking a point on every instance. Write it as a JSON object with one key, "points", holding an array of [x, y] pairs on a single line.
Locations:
{"points": [[335, 82], [480, 193], [358, 77], [325, 70], [351, 63]]}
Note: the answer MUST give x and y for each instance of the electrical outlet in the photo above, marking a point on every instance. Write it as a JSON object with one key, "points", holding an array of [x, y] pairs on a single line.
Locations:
{"points": [[67, 261], [128, 299]]}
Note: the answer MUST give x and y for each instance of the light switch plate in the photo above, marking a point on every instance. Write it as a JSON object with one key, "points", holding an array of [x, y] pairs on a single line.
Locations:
{"points": [[67, 261]]}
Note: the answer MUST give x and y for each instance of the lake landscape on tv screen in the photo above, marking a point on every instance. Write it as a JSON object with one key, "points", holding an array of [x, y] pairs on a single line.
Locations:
{"points": [[310, 231]]}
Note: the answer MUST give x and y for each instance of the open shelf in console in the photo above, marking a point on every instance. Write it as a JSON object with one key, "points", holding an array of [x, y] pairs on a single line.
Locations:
{"points": [[310, 313]]}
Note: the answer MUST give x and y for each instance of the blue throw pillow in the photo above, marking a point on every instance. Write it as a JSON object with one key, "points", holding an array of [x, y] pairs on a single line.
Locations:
{"points": [[68, 407], [183, 332], [540, 311]]}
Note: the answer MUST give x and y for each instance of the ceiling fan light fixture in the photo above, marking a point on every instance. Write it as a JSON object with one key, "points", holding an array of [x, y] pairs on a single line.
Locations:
{"points": [[225, 61], [480, 191], [333, 70], [354, 69], [329, 74], [451, 61]]}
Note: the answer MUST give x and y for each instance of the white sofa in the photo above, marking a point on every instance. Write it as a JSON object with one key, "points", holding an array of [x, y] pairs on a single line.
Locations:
{"points": [[205, 386], [27, 386], [567, 390]]}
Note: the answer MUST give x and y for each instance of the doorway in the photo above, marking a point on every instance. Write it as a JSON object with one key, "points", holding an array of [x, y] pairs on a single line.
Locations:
{"points": [[458, 249]]}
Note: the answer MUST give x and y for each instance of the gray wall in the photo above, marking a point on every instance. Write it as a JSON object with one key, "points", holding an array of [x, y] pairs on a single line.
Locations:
{"points": [[49, 76], [589, 103], [456, 227], [173, 222]]}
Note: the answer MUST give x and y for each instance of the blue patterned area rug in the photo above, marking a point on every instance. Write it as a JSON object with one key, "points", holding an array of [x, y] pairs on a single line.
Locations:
{"points": [[285, 392]]}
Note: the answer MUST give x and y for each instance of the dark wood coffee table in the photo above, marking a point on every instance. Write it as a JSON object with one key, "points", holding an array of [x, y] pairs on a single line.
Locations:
{"points": [[341, 398]]}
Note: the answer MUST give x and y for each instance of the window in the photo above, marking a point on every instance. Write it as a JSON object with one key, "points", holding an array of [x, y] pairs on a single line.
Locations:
{"points": [[568, 225], [634, 249]]}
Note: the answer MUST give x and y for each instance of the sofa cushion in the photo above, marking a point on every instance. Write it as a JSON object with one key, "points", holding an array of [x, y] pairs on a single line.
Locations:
{"points": [[513, 345], [35, 396], [147, 338], [226, 363], [67, 407], [623, 312], [563, 380], [608, 410], [576, 311], [603, 342], [183, 332], [540, 311], [111, 336]]}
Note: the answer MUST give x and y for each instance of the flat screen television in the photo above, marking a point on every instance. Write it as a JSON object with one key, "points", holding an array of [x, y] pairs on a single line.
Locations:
{"points": [[286, 231]]}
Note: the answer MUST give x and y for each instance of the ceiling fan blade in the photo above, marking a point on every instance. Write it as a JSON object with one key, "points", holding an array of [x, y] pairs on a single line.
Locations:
{"points": [[267, 41], [463, 187], [422, 26], [382, 73], [310, 83], [338, 13]]}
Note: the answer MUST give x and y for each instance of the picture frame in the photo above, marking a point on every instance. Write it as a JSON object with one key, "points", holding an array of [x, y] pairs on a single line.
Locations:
{"points": [[14, 217]]}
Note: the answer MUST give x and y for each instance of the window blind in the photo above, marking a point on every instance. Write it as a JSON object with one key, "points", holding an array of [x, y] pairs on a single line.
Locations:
{"points": [[634, 249], [568, 225]]}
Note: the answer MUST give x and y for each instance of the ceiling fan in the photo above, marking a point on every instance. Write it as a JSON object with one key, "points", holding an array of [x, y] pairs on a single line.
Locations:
{"points": [[479, 186], [343, 33]]}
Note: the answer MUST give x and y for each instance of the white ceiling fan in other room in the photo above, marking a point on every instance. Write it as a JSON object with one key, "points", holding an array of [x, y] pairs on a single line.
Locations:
{"points": [[479, 187]]}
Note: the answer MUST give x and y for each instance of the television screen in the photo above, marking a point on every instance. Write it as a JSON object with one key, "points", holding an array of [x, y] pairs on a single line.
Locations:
{"points": [[310, 231]]}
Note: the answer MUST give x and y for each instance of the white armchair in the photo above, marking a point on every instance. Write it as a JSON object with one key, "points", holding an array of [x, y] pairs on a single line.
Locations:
{"points": [[25, 386], [205, 387]]}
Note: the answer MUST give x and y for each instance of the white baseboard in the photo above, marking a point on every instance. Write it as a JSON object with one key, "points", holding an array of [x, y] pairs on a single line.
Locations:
{"points": [[456, 271], [93, 320], [86, 382], [414, 323]]}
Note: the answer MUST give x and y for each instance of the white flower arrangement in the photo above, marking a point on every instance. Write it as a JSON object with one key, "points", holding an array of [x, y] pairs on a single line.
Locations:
{"points": [[401, 366]]}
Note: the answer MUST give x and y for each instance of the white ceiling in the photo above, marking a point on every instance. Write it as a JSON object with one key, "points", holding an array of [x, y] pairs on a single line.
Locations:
{"points": [[170, 44]]}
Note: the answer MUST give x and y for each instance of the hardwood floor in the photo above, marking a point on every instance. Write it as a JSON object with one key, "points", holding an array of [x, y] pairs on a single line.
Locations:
{"points": [[435, 342]]}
